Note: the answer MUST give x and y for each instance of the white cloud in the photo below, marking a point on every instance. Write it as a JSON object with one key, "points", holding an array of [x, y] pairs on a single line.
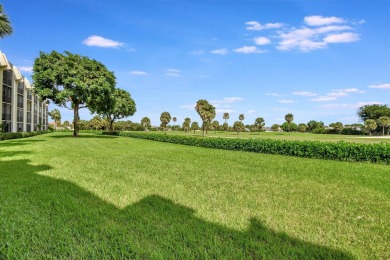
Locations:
{"points": [[219, 111], [173, 73], [274, 94], [197, 52], [381, 86], [138, 72], [262, 41], [318, 20], [222, 51], [337, 94], [227, 100], [99, 41], [342, 37], [286, 101], [26, 69], [304, 94], [301, 39], [323, 98], [256, 26], [251, 111], [350, 90], [349, 106], [248, 49], [189, 106], [333, 28]]}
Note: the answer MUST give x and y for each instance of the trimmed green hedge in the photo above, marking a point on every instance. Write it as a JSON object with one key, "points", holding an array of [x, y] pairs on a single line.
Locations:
{"points": [[8, 136], [342, 151]]}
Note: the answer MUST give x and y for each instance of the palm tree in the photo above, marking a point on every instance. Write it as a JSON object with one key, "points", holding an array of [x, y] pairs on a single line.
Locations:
{"points": [[289, 118], [384, 121], [370, 124], [226, 117], [238, 126], [195, 126], [259, 123], [66, 124], [55, 115], [241, 117], [165, 118], [145, 123], [215, 125], [5, 24], [174, 119], [206, 112], [186, 124]]}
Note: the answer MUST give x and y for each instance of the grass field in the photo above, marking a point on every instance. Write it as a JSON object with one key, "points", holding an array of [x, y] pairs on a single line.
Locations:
{"points": [[104, 196]]}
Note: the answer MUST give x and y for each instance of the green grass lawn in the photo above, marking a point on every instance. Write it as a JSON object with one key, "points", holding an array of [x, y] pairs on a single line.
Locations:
{"points": [[105, 197], [290, 136]]}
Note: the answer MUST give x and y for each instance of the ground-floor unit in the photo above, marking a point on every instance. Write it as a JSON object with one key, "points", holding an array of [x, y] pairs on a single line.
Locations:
{"points": [[21, 109]]}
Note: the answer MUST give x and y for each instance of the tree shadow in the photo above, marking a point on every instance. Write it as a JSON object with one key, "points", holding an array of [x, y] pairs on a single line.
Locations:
{"points": [[18, 142], [83, 136], [43, 217]]}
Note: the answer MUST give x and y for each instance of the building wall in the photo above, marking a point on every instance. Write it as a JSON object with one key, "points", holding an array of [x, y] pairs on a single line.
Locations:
{"points": [[15, 91]]}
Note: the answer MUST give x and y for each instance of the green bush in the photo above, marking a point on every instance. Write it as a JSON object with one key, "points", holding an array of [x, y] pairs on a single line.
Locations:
{"points": [[8, 136], [343, 151]]}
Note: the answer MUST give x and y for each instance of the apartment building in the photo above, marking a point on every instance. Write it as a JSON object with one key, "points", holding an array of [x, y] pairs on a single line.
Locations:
{"points": [[21, 109]]}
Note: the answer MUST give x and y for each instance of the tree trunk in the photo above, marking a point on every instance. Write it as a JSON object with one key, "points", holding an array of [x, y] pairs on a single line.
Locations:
{"points": [[76, 120], [203, 129], [111, 125], [383, 130]]}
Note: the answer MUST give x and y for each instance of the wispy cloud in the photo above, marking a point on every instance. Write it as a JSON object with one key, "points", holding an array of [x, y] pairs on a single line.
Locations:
{"points": [[342, 37], [188, 106], [25, 69], [274, 94], [304, 93], [251, 111], [381, 86], [350, 90], [248, 49], [197, 52], [219, 111], [318, 20], [287, 101], [323, 98], [221, 51], [100, 41], [256, 26], [173, 73], [138, 72]]}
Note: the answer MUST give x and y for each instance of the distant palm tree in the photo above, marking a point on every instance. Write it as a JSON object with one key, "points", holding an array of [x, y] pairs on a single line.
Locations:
{"points": [[206, 112], [241, 117], [226, 117], [145, 123], [370, 125], [165, 118], [259, 123], [384, 121], [5, 24], [289, 118], [174, 119], [55, 115]]}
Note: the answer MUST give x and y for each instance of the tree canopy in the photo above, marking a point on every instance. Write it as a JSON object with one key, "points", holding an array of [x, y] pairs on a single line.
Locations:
{"points": [[259, 123], [5, 24], [165, 118], [73, 81], [124, 106], [55, 115], [374, 111]]}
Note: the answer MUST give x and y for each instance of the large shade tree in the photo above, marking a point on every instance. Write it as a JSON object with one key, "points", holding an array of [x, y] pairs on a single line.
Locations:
{"points": [[55, 115], [374, 111], [165, 118], [206, 112], [124, 106], [74, 82], [5, 24]]}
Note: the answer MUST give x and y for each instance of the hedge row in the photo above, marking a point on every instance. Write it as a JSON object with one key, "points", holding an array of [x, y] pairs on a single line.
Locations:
{"points": [[8, 136], [342, 151]]}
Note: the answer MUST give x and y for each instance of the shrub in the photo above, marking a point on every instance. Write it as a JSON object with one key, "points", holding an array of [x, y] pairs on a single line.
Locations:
{"points": [[342, 151], [8, 136]]}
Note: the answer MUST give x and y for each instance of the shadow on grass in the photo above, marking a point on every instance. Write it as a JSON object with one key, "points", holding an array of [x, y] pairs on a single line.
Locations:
{"points": [[42, 217], [18, 142], [84, 136]]}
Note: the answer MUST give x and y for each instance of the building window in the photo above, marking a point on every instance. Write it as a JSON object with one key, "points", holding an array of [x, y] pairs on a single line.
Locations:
{"points": [[7, 101]]}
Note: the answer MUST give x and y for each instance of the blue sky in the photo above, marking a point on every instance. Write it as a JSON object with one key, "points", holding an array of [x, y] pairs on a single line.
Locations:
{"points": [[318, 60]]}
